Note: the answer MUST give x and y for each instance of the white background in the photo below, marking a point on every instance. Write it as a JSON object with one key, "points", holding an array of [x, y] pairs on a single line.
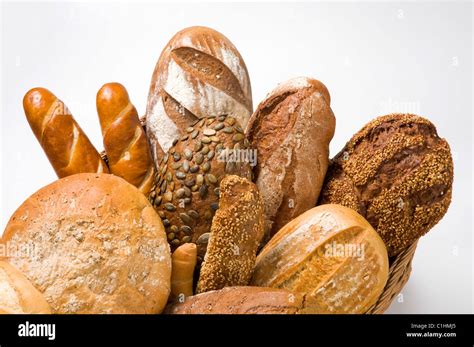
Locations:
{"points": [[375, 58]]}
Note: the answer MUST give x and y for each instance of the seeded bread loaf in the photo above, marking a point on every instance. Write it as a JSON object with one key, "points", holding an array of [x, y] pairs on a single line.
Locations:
{"points": [[291, 130], [186, 192], [397, 173], [330, 253], [236, 233], [95, 245], [243, 300], [66, 145], [125, 141], [199, 73], [18, 295]]}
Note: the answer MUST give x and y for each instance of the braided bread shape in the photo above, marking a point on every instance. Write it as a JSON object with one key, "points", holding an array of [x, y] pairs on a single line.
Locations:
{"points": [[125, 141], [66, 145]]}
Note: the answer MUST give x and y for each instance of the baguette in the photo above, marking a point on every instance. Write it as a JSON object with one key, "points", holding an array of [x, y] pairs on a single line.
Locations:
{"points": [[236, 232], [125, 141], [183, 263], [199, 73], [65, 144]]}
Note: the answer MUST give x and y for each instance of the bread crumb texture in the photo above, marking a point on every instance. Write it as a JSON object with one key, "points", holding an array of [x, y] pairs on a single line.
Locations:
{"points": [[97, 246], [397, 173]]}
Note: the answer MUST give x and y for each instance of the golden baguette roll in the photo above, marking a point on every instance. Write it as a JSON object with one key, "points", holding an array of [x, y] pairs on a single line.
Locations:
{"points": [[17, 294], [125, 141], [243, 300], [199, 73], [99, 246], [291, 130], [65, 144], [236, 232], [330, 253], [183, 262]]}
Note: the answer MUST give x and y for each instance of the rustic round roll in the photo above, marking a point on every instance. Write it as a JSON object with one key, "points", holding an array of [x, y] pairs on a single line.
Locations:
{"points": [[331, 254], [199, 73], [291, 130], [397, 173], [186, 192], [18, 295], [242, 300], [95, 245]]}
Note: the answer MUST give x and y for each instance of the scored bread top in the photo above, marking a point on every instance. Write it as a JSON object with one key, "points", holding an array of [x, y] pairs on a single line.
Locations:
{"points": [[397, 173], [199, 73]]}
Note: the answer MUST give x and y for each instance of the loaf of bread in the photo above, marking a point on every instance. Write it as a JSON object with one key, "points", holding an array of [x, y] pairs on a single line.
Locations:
{"points": [[242, 300], [331, 254], [186, 192], [236, 233], [125, 141], [65, 144], [18, 295], [199, 73], [183, 262], [291, 130], [397, 173], [97, 246]]}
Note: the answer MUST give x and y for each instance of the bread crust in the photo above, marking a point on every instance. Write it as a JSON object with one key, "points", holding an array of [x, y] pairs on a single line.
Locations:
{"points": [[397, 173], [125, 141], [95, 246], [66, 145], [291, 130], [18, 295], [330, 253], [241, 300], [199, 73], [236, 232]]}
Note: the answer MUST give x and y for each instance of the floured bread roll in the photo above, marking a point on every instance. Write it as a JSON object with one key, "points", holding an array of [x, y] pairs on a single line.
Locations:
{"points": [[331, 254], [95, 244]]}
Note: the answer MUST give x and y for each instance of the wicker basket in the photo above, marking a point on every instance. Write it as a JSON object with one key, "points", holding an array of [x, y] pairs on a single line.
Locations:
{"points": [[398, 273]]}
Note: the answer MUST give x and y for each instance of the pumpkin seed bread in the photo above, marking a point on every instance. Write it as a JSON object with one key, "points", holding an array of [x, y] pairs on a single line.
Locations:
{"points": [[186, 191]]}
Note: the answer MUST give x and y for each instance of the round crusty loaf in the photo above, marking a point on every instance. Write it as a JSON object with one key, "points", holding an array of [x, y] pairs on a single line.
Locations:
{"points": [[199, 73], [331, 254], [242, 300], [186, 193], [97, 246], [17, 294], [398, 174], [291, 130]]}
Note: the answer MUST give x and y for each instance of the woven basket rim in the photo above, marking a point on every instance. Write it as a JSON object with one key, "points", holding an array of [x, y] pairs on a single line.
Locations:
{"points": [[398, 273]]}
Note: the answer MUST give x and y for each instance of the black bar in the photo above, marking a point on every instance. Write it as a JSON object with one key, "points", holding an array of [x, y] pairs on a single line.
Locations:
{"points": [[318, 330]]}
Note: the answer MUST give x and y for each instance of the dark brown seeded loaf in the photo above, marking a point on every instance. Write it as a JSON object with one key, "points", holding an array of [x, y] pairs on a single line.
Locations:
{"points": [[397, 173], [186, 192]]}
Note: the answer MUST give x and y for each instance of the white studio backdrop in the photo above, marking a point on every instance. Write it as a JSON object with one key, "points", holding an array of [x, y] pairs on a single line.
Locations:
{"points": [[375, 58]]}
